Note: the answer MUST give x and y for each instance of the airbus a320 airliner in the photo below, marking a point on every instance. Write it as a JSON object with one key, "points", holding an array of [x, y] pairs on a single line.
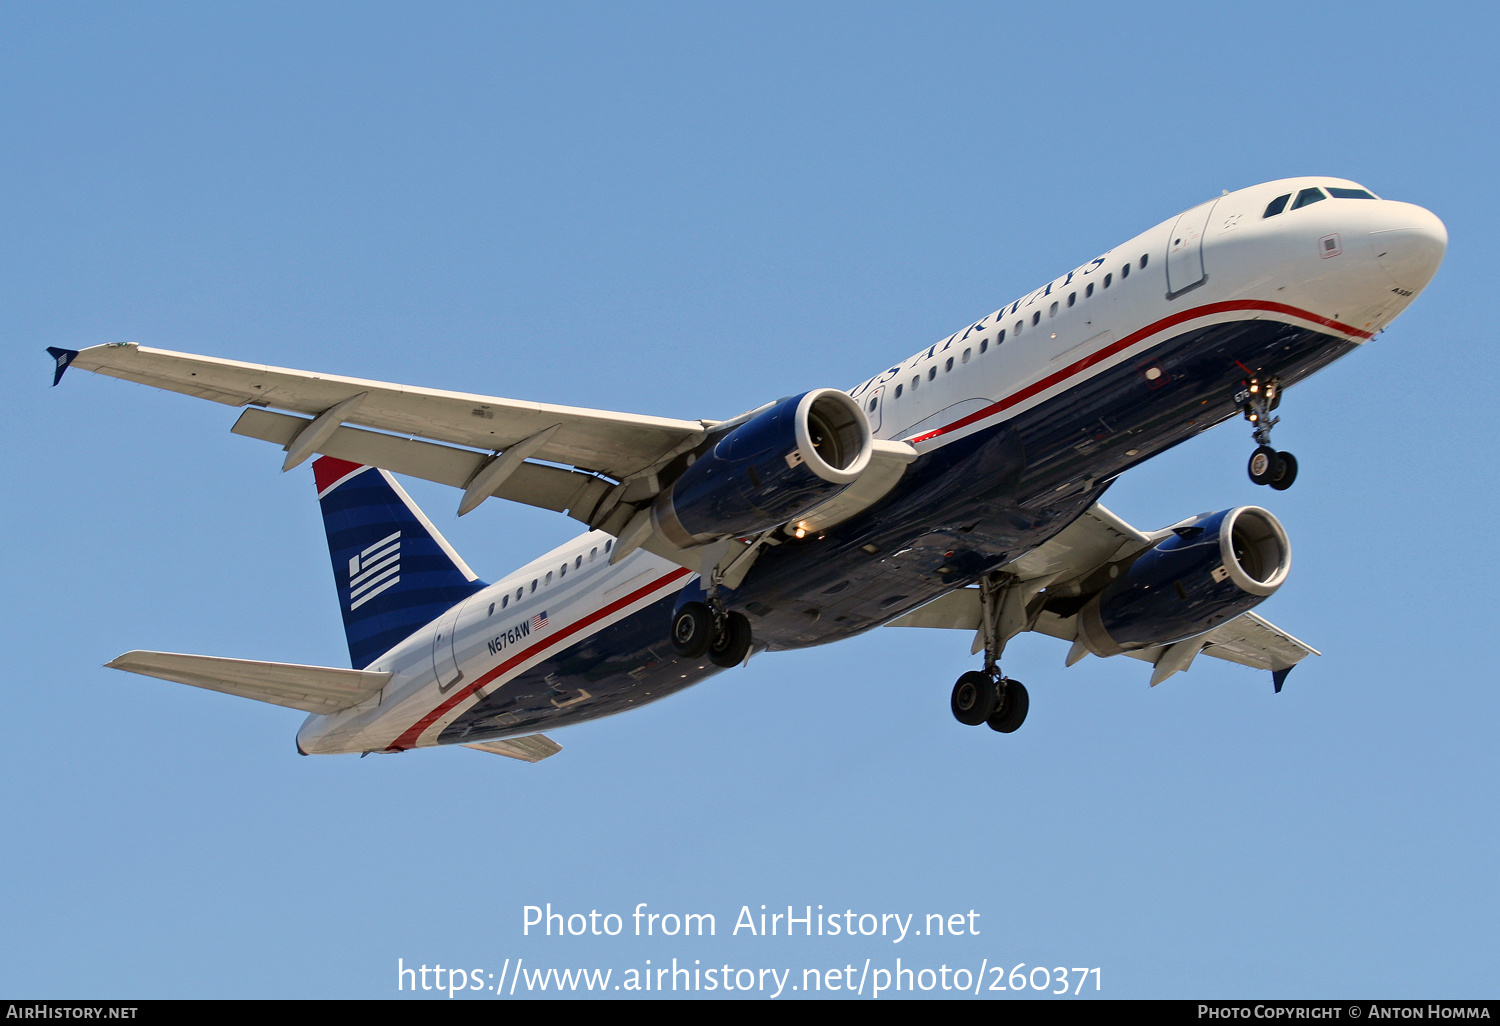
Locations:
{"points": [[957, 488]]}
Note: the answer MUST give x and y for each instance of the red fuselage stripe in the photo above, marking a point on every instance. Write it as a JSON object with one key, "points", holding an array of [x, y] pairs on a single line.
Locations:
{"points": [[1129, 340], [409, 738]]}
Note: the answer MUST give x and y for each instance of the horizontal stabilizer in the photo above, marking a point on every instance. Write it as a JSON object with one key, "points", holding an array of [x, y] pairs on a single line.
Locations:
{"points": [[531, 748], [316, 689]]}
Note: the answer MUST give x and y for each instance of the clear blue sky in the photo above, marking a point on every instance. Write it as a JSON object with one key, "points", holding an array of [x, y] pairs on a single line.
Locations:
{"points": [[687, 210]]}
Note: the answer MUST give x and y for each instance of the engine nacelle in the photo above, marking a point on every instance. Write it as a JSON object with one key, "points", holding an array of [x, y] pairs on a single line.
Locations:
{"points": [[768, 471], [1211, 570]]}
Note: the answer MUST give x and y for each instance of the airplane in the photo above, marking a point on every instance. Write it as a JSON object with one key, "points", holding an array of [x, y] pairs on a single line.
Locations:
{"points": [[958, 488]]}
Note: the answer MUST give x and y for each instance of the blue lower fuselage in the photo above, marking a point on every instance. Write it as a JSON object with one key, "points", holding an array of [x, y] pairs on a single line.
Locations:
{"points": [[961, 510]]}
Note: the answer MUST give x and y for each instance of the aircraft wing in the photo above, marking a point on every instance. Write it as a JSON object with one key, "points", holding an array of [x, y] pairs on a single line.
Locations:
{"points": [[621, 445], [1094, 540], [318, 689]]}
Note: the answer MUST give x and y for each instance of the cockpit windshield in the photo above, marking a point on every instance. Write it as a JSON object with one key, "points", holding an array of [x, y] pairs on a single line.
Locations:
{"points": [[1307, 196], [1313, 195]]}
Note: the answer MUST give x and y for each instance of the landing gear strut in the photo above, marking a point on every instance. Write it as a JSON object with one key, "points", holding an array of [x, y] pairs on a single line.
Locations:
{"points": [[1267, 466], [708, 628], [987, 695]]}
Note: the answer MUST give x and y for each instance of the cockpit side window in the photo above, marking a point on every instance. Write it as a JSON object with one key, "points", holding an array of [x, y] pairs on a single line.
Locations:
{"points": [[1276, 206], [1307, 196], [1349, 193]]}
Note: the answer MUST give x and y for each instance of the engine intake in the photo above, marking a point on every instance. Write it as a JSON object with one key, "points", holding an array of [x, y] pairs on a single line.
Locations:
{"points": [[768, 471], [1211, 570]]}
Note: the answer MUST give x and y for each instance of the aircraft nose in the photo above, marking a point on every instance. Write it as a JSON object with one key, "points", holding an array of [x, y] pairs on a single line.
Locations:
{"points": [[1408, 243]]}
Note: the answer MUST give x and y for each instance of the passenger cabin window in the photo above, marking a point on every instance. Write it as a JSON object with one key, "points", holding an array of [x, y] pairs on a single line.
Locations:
{"points": [[1036, 318], [1052, 312], [915, 382], [898, 391], [948, 366], [505, 602], [872, 405], [1307, 196], [1072, 298], [1144, 258], [1125, 271], [965, 357], [549, 576], [593, 552], [1276, 206], [562, 571], [984, 344], [1108, 280], [577, 563], [1001, 337], [607, 545], [1018, 327], [520, 592], [931, 373], [492, 609], [1088, 291], [1349, 193], [533, 585]]}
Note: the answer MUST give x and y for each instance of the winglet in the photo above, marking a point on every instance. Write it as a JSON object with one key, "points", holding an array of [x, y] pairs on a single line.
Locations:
{"points": [[64, 358], [1278, 677]]}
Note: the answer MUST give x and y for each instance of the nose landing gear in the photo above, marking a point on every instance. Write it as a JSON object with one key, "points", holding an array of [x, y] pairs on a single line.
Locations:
{"points": [[1267, 466]]}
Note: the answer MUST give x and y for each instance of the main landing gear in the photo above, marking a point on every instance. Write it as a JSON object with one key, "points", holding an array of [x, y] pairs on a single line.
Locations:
{"points": [[1267, 466], [987, 695], [697, 632], [979, 698]]}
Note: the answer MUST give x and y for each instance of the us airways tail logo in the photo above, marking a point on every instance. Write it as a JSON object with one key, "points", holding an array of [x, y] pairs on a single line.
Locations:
{"points": [[374, 570]]}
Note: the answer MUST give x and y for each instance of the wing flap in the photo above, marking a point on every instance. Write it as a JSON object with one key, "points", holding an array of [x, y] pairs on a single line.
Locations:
{"points": [[317, 689], [1252, 641], [533, 484], [1095, 538], [531, 748], [619, 444], [957, 610]]}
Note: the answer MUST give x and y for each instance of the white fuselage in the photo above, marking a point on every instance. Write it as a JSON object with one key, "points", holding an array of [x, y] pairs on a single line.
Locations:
{"points": [[1346, 266]]}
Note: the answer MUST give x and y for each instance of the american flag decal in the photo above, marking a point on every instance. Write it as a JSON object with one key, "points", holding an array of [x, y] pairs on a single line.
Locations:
{"points": [[374, 570], [539, 620]]}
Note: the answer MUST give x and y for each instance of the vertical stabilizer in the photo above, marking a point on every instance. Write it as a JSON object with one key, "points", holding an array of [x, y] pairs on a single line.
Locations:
{"points": [[393, 570]]}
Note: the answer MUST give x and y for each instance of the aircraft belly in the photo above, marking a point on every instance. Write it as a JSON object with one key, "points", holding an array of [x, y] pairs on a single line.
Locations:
{"points": [[624, 666], [962, 509], [975, 504]]}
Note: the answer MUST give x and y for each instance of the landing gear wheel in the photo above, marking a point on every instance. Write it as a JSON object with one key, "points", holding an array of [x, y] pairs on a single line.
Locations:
{"points": [[692, 630], [1014, 703], [731, 645], [1283, 471], [973, 698], [1263, 464]]}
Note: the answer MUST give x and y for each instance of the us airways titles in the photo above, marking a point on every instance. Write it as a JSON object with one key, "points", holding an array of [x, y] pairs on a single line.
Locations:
{"points": [[990, 320]]}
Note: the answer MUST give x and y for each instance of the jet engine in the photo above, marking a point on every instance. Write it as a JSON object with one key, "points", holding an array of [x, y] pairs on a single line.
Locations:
{"points": [[767, 471], [1212, 569]]}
